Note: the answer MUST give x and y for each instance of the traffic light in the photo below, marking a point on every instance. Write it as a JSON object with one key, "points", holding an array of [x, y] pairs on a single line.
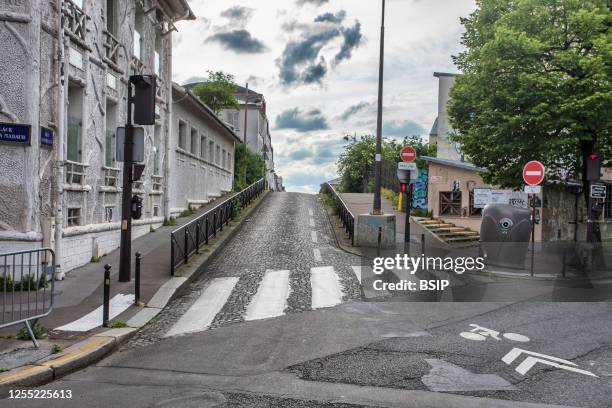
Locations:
{"points": [[593, 166], [136, 207], [144, 99]]}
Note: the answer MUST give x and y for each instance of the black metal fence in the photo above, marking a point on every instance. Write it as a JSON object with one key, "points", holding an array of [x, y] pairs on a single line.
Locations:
{"points": [[26, 287], [346, 216], [189, 238]]}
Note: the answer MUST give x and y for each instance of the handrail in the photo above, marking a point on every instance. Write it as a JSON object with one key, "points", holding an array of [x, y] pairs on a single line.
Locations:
{"points": [[198, 231], [346, 216]]}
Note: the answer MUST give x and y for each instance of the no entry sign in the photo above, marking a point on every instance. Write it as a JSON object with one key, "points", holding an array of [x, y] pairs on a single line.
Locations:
{"points": [[408, 154], [533, 173]]}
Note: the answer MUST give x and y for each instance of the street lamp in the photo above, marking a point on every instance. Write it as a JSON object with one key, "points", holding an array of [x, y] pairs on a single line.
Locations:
{"points": [[376, 210]]}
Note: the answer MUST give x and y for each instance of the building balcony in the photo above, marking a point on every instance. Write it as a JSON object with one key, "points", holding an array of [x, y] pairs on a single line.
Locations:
{"points": [[76, 22], [112, 45]]}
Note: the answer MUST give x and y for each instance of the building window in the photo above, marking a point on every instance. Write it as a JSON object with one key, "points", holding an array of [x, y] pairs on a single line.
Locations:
{"points": [[182, 135], [157, 150], [156, 211], [110, 142], [450, 203], [218, 155], [138, 29], [108, 213], [474, 211], [194, 141], [74, 217], [110, 16], [211, 151], [203, 146], [223, 159], [229, 160], [75, 125]]}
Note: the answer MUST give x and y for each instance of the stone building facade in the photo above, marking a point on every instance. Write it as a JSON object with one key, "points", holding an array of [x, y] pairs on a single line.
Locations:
{"points": [[62, 187], [201, 158]]}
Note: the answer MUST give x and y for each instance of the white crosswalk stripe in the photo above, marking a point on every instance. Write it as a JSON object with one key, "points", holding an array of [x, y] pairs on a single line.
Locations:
{"points": [[202, 313], [269, 301], [357, 270], [271, 297], [326, 289], [117, 305]]}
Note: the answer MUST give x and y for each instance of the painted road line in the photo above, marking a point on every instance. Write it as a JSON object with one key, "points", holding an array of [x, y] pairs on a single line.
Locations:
{"points": [[201, 314], [118, 304], [271, 297], [310, 212], [313, 236], [312, 224], [326, 291], [317, 255], [357, 271]]}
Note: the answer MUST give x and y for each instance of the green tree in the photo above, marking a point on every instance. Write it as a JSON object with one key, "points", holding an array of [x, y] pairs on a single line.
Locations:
{"points": [[248, 167], [356, 163], [218, 92], [535, 86]]}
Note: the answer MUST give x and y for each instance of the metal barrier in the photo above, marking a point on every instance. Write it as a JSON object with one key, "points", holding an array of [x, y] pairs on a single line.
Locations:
{"points": [[346, 216], [26, 287], [187, 239]]}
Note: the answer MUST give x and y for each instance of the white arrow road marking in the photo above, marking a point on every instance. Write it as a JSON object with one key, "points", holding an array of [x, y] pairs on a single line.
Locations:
{"points": [[313, 236], [326, 291], [317, 255], [117, 305], [535, 358], [448, 377], [271, 297], [202, 313]]}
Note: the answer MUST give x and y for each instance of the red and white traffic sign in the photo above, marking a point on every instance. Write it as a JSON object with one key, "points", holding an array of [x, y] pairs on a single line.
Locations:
{"points": [[408, 154], [533, 173]]}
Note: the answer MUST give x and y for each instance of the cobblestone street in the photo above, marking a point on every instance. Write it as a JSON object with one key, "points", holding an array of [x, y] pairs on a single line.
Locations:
{"points": [[279, 236]]}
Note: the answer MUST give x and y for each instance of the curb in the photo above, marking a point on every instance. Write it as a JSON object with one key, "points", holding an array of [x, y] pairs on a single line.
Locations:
{"points": [[93, 349]]}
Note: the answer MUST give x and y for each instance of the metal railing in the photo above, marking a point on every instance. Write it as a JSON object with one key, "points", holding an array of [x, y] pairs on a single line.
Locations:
{"points": [[26, 287], [346, 216], [189, 238]]}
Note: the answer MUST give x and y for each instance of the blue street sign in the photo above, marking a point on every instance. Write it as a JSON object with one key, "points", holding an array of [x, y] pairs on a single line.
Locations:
{"points": [[46, 137], [12, 132]]}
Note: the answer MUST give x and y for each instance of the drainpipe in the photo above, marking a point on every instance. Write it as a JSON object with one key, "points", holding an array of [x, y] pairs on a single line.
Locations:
{"points": [[169, 126], [61, 126]]}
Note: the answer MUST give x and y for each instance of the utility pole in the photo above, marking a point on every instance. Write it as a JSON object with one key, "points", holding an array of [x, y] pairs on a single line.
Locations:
{"points": [[246, 110], [376, 210], [125, 253]]}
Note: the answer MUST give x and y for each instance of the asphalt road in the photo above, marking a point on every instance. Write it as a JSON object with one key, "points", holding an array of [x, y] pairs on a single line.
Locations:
{"points": [[218, 349]]}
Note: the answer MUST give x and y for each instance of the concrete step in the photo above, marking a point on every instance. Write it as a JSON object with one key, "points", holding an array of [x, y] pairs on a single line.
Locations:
{"points": [[452, 234], [434, 226], [463, 238]]}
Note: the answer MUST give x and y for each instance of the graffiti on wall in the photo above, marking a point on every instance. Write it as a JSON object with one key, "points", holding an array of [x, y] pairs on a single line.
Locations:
{"points": [[419, 192]]}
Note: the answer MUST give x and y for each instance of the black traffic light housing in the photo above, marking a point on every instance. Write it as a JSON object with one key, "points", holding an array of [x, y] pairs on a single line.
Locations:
{"points": [[136, 207], [593, 166], [144, 98]]}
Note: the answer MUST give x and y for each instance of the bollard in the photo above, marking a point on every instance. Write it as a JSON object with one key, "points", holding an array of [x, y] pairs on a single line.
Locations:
{"points": [[423, 244], [105, 308], [137, 279]]}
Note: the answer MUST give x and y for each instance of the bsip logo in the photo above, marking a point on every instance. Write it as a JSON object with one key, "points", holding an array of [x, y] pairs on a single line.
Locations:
{"points": [[506, 224]]}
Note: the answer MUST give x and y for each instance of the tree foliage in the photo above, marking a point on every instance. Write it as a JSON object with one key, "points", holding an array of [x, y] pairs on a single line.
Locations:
{"points": [[218, 92], [356, 163], [248, 167], [535, 86]]}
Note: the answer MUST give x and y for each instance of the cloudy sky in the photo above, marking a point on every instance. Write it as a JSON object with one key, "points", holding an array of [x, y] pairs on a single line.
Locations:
{"points": [[316, 62]]}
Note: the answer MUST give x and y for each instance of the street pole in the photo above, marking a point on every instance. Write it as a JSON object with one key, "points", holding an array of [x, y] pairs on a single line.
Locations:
{"points": [[533, 220], [126, 217], [246, 110], [408, 205], [376, 210]]}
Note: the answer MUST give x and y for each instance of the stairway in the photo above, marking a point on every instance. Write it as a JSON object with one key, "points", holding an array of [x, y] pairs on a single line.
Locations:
{"points": [[457, 237]]}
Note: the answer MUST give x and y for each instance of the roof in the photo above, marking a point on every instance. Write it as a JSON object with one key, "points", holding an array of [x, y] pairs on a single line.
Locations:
{"points": [[209, 112], [444, 74], [240, 92], [179, 10], [434, 128], [454, 163]]}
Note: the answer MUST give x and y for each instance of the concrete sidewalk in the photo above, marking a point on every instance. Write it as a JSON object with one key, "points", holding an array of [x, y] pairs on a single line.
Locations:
{"points": [[82, 292]]}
